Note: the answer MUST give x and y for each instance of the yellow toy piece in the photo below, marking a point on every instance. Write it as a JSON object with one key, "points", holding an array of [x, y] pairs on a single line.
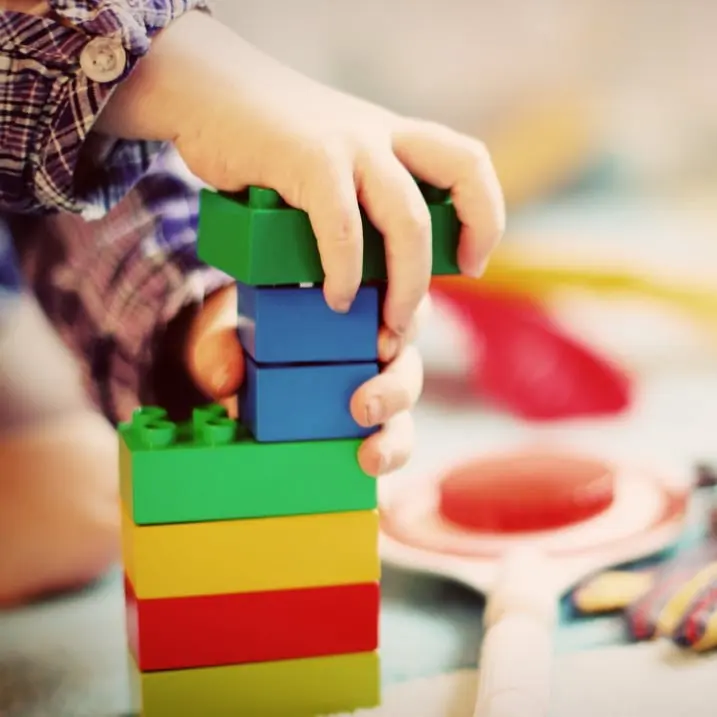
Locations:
{"points": [[611, 591], [223, 557], [674, 611], [532, 273], [299, 688]]}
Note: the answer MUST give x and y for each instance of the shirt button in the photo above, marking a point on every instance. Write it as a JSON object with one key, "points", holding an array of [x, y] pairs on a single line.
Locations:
{"points": [[103, 59]]}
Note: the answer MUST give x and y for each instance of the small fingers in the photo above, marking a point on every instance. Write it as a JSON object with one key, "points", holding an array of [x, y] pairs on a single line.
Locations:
{"points": [[218, 369], [332, 206], [394, 204], [394, 390], [390, 448], [212, 352], [390, 345], [450, 160]]}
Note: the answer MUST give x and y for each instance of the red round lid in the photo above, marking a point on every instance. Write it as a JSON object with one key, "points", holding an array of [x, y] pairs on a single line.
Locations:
{"points": [[526, 492]]}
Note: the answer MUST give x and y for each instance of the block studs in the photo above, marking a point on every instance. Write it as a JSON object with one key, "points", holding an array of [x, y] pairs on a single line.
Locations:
{"points": [[219, 432], [152, 427], [212, 425], [203, 415], [147, 414], [158, 434]]}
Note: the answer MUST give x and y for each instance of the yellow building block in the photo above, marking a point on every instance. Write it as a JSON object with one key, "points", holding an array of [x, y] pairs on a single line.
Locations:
{"points": [[180, 560], [290, 688]]}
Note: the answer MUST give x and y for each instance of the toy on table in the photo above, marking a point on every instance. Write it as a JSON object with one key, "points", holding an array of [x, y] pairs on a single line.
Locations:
{"points": [[526, 364], [584, 515], [251, 548], [522, 360], [538, 273], [676, 600]]}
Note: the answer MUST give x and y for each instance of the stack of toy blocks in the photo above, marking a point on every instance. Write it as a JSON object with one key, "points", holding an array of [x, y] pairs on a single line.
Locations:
{"points": [[251, 548]]}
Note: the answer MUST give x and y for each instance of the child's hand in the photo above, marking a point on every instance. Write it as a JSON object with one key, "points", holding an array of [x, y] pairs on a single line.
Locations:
{"points": [[239, 118], [214, 360]]}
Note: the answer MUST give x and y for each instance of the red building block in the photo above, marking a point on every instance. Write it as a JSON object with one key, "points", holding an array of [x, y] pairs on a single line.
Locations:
{"points": [[209, 631]]}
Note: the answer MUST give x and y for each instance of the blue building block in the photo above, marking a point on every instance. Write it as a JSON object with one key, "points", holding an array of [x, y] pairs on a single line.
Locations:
{"points": [[287, 325], [302, 403]]}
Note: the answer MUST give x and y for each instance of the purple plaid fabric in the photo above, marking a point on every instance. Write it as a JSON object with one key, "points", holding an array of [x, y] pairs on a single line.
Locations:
{"points": [[105, 229], [48, 105]]}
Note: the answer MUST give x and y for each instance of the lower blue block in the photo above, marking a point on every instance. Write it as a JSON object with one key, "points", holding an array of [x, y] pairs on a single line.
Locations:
{"points": [[291, 324], [302, 403]]}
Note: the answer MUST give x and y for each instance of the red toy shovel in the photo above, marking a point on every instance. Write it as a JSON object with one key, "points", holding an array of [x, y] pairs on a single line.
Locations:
{"points": [[526, 364]]}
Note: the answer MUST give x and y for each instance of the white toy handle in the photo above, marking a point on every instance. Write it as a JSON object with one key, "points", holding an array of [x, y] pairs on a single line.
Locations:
{"points": [[517, 650]]}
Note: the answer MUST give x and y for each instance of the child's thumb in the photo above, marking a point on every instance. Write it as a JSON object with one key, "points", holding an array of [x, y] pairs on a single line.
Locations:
{"points": [[217, 366], [214, 355]]}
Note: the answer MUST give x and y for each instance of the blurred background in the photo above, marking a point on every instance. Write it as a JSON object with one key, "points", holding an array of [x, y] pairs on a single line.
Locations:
{"points": [[630, 79], [601, 116]]}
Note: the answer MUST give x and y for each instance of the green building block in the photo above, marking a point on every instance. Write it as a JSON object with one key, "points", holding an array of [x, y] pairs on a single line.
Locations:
{"points": [[212, 469], [258, 240]]}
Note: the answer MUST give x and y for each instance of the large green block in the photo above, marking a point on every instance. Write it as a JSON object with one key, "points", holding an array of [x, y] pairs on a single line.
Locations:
{"points": [[212, 469], [258, 240]]}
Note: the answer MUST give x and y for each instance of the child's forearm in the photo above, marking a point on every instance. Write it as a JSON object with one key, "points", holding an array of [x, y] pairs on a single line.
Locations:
{"points": [[239, 118], [188, 60], [200, 80]]}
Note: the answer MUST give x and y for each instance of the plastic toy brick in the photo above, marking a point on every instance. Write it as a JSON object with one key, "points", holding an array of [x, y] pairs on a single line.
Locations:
{"points": [[289, 325], [300, 688], [210, 631], [212, 469], [302, 403], [258, 240], [262, 554]]}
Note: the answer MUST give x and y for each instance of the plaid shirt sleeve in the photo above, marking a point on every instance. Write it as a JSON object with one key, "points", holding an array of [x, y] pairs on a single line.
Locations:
{"points": [[48, 104], [111, 286], [105, 230]]}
